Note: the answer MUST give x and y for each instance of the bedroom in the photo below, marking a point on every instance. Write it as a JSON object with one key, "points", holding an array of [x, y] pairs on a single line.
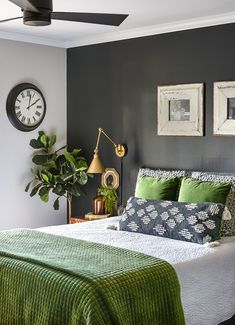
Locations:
{"points": [[113, 85]]}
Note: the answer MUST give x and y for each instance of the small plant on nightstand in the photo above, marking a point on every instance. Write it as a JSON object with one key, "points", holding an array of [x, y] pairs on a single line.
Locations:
{"points": [[60, 172], [110, 199]]}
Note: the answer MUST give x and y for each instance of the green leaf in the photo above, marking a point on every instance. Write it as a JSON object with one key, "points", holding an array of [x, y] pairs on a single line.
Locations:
{"points": [[45, 198], [75, 152], [70, 158], [76, 190], [66, 177], [60, 160], [59, 190], [35, 190], [52, 141], [90, 175], [36, 144], [40, 133], [56, 204], [34, 173], [49, 164], [43, 140], [81, 165], [83, 178], [45, 177], [44, 190], [40, 159], [44, 193], [28, 186]]}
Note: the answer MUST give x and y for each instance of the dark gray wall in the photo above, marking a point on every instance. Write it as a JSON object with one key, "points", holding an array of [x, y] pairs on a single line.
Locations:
{"points": [[113, 86]]}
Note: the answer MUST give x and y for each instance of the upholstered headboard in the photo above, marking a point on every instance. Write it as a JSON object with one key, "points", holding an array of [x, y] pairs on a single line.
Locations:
{"points": [[216, 177]]}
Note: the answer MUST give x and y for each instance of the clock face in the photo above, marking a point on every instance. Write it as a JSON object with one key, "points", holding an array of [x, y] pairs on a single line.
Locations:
{"points": [[26, 107], [29, 107]]}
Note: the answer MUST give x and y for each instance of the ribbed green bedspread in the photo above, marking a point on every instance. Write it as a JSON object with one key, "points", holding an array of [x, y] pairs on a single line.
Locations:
{"points": [[49, 279]]}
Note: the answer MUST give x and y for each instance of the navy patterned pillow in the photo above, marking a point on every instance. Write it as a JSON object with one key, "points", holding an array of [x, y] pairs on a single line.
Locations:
{"points": [[193, 222]]}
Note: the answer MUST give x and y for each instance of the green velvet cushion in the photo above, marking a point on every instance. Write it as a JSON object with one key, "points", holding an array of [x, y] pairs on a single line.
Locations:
{"points": [[150, 188], [196, 191]]}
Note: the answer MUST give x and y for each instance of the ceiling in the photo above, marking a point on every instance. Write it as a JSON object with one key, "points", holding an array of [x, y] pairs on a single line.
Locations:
{"points": [[147, 17]]}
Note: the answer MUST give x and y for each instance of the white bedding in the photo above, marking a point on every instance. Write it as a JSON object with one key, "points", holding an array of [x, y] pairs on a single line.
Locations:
{"points": [[207, 275]]}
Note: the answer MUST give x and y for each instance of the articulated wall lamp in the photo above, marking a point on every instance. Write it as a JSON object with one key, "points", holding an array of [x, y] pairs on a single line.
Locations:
{"points": [[96, 166]]}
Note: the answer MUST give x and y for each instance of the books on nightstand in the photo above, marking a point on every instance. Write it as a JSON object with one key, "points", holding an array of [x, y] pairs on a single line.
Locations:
{"points": [[92, 216]]}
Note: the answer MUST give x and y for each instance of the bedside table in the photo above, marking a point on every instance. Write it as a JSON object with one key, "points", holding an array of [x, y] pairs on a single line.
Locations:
{"points": [[88, 217], [91, 216], [76, 220]]}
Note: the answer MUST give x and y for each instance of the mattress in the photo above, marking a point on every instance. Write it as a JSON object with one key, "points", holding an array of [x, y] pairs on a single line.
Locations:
{"points": [[206, 275]]}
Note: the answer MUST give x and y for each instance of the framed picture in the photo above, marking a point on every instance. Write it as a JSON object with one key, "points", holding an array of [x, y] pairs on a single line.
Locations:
{"points": [[224, 108], [110, 178], [180, 110]]}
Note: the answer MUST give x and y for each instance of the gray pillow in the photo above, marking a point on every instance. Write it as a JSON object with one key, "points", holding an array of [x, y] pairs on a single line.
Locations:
{"points": [[228, 228], [193, 222]]}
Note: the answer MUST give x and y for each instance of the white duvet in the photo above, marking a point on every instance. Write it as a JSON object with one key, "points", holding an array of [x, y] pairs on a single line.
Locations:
{"points": [[207, 275]]}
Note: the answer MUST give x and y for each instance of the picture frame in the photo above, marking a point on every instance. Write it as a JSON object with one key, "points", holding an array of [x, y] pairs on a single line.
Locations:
{"points": [[224, 108], [110, 178], [180, 110]]}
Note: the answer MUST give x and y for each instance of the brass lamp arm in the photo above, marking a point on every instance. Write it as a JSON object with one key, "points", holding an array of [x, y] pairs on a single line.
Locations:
{"points": [[120, 149], [101, 131]]}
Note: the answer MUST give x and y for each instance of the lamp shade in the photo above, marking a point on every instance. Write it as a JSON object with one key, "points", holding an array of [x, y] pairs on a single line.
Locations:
{"points": [[96, 166]]}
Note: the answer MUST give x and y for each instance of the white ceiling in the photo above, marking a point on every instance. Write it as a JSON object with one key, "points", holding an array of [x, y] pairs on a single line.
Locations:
{"points": [[146, 17]]}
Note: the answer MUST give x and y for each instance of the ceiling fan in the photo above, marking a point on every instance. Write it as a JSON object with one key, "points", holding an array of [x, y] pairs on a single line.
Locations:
{"points": [[40, 13]]}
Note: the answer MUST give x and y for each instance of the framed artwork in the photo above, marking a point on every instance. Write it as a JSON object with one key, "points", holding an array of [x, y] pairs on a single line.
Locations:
{"points": [[110, 178], [224, 108], [180, 110]]}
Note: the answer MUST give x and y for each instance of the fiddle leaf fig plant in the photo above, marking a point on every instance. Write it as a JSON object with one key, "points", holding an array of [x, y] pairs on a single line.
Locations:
{"points": [[61, 172]]}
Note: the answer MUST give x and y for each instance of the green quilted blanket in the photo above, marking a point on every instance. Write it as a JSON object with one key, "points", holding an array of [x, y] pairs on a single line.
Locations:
{"points": [[49, 279]]}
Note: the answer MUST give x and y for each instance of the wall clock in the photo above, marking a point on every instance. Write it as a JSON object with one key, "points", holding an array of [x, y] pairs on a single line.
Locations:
{"points": [[26, 107]]}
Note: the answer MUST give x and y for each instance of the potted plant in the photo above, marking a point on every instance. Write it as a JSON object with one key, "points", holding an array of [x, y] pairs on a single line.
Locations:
{"points": [[110, 199], [60, 172]]}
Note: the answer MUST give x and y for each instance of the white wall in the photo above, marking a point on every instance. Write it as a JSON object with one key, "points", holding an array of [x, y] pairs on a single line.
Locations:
{"points": [[46, 68]]}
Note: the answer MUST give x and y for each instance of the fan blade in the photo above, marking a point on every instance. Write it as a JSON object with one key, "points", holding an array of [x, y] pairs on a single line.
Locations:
{"points": [[9, 19], [25, 5], [93, 18]]}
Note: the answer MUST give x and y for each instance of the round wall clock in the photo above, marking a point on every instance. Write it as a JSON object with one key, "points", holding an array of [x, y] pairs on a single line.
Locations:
{"points": [[26, 107]]}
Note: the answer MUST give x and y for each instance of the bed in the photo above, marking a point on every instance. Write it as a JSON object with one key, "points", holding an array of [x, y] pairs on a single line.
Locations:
{"points": [[208, 287], [127, 277]]}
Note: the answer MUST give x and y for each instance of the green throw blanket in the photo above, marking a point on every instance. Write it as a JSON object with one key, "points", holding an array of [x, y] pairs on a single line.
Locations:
{"points": [[49, 279]]}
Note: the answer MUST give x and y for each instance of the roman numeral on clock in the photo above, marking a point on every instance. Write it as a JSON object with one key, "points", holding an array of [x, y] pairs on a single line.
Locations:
{"points": [[18, 114], [38, 113]]}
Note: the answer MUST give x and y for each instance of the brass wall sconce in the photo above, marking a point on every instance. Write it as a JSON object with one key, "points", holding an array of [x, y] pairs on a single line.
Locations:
{"points": [[96, 166]]}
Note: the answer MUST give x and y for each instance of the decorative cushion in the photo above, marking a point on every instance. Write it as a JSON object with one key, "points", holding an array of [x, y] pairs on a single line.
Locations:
{"points": [[198, 223], [228, 228], [158, 173], [157, 188], [196, 191]]}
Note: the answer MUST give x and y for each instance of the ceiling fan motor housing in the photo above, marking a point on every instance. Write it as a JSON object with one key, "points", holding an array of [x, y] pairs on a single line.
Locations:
{"points": [[40, 18]]}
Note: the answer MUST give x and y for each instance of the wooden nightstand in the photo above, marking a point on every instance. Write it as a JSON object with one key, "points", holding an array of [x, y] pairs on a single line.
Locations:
{"points": [[91, 216], [76, 220], [88, 217]]}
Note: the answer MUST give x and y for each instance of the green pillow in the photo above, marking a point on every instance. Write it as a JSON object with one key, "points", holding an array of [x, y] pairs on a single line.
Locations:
{"points": [[196, 191], [151, 188]]}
